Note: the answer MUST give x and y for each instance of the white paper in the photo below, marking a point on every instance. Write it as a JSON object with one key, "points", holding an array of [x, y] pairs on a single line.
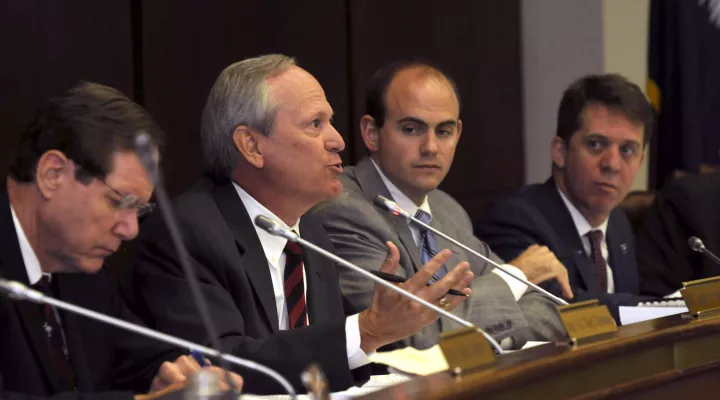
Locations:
{"points": [[530, 344], [631, 315], [413, 361], [376, 382]]}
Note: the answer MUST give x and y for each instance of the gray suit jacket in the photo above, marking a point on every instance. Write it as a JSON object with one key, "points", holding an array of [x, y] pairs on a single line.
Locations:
{"points": [[359, 231]]}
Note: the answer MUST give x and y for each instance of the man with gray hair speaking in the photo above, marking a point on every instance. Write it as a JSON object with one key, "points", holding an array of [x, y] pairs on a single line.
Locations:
{"points": [[270, 149]]}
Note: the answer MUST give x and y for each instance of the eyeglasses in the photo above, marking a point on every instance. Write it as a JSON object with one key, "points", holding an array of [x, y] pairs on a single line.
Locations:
{"points": [[128, 202], [121, 202]]}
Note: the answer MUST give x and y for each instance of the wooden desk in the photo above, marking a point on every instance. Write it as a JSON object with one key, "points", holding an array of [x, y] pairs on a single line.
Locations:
{"points": [[668, 358]]}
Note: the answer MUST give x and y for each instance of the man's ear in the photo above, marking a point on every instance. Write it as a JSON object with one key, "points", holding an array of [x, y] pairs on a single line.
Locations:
{"points": [[558, 150], [247, 143], [370, 133], [53, 170], [459, 129]]}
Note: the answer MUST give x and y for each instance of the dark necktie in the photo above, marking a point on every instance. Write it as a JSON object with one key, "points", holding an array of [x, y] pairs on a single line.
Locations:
{"points": [[599, 265], [56, 339], [294, 286], [428, 244]]}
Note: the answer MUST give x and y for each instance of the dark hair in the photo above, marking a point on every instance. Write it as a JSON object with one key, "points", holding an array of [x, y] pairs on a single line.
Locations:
{"points": [[610, 90], [378, 84], [88, 123]]}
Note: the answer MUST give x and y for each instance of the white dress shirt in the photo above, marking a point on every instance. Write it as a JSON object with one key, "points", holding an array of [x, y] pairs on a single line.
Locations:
{"points": [[273, 247], [583, 227], [32, 264], [518, 288]]}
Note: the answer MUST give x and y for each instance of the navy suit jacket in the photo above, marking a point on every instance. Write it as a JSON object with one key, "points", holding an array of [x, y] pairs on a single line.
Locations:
{"points": [[536, 214], [685, 207]]}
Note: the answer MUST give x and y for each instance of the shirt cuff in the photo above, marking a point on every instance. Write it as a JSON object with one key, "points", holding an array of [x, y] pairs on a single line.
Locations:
{"points": [[356, 356], [518, 288], [508, 343]]}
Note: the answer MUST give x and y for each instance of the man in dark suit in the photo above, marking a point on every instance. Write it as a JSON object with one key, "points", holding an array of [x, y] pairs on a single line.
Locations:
{"points": [[411, 128], [270, 149], [686, 207], [604, 123], [73, 194]]}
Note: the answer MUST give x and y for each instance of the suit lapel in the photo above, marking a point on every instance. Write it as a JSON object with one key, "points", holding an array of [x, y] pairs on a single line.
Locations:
{"points": [[618, 254], [252, 256], [12, 267], [441, 224], [71, 328], [372, 185], [406, 239], [315, 265], [564, 225]]}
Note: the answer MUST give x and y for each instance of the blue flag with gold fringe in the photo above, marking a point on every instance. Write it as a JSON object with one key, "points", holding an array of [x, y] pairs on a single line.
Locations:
{"points": [[684, 85]]}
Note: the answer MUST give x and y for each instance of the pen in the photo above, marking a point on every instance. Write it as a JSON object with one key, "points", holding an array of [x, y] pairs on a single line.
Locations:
{"points": [[398, 279], [199, 358], [566, 256]]}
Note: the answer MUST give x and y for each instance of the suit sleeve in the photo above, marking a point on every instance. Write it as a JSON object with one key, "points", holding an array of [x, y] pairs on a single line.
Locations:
{"points": [[665, 260], [508, 228], [354, 230], [161, 297], [137, 358], [6, 395]]}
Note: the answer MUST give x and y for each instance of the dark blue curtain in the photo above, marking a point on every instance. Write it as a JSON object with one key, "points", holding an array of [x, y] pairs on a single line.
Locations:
{"points": [[684, 85]]}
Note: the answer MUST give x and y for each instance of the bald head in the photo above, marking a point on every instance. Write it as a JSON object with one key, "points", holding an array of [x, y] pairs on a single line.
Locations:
{"points": [[379, 85], [413, 135]]}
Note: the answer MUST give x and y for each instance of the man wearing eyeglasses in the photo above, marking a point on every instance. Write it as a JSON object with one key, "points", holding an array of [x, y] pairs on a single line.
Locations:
{"points": [[73, 194]]}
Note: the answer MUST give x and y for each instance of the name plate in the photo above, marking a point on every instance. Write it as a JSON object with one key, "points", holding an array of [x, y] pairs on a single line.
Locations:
{"points": [[466, 350], [702, 297], [586, 321]]}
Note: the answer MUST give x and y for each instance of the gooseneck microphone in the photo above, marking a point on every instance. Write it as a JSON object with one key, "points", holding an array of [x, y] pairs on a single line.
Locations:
{"points": [[697, 245], [274, 228], [18, 291], [389, 205], [148, 154]]}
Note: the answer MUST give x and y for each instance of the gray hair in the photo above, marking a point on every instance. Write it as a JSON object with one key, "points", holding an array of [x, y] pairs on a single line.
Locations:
{"points": [[238, 97]]}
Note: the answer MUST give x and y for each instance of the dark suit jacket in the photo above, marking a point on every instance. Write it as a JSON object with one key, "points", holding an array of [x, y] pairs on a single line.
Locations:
{"points": [[103, 358], [235, 278], [536, 214], [689, 206]]}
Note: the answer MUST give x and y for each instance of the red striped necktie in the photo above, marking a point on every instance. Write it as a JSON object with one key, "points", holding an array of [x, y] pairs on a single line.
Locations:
{"points": [[295, 286]]}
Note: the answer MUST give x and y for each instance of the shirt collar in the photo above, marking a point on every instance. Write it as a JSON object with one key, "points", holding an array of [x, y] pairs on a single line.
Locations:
{"points": [[32, 264], [581, 224], [400, 198], [271, 244]]}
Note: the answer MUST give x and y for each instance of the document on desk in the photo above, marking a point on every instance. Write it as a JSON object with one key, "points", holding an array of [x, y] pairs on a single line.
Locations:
{"points": [[376, 382], [631, 315], [412, 361]]}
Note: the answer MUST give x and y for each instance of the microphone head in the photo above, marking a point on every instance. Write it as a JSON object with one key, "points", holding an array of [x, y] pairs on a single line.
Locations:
{"points": [[17, 291], [389, 205], [142, 140], [696, 244], [272, 227], [147, 153]]}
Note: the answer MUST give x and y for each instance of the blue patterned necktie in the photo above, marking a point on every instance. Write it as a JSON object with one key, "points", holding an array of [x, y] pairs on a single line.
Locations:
{"points": [[428, 244]]}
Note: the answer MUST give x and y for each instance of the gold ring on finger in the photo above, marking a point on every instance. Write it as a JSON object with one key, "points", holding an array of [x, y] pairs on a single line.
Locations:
{"points": [[445, 303]]}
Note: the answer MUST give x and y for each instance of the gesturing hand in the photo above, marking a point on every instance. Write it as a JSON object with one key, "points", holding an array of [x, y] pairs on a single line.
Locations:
{"points": [[392, 317]]}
